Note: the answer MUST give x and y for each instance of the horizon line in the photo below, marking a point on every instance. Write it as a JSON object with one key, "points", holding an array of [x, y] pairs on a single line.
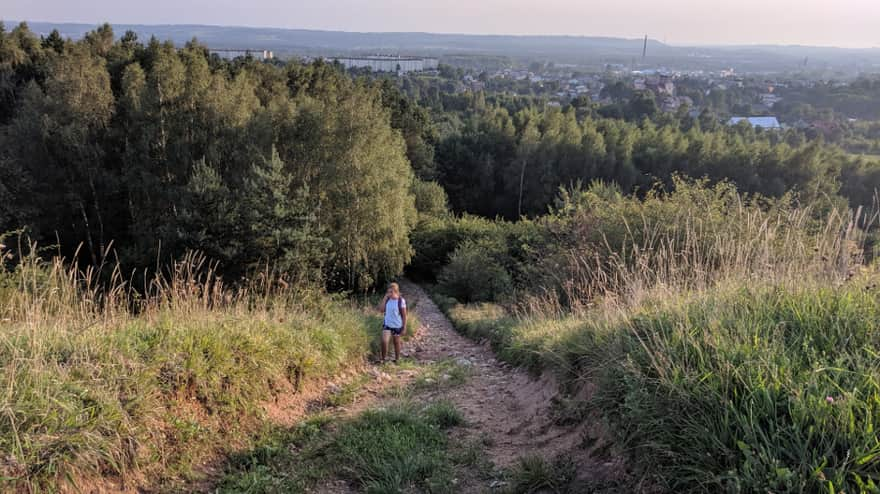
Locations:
{"points": [[756, 44]]}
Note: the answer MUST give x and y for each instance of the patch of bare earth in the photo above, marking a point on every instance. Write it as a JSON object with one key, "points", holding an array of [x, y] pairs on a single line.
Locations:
{"points": [[511, 411]]}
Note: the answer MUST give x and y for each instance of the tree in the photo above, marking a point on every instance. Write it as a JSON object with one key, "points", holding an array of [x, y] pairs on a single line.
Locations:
{"points": [[362, 186], [283, 226], [54, 42]]}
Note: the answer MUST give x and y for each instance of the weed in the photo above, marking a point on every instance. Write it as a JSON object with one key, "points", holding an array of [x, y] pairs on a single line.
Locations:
{"points": [[443, 374], [535, 474]]}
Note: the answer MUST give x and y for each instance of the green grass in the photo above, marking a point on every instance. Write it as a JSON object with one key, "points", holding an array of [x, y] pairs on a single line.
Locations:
{"points": [[442, 374], [402, 447], [522, 342], [533, 474], [90, 390], [761, 389]]}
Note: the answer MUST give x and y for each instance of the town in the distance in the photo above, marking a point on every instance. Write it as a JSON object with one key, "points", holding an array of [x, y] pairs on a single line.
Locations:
{"points": [[820, 90]]}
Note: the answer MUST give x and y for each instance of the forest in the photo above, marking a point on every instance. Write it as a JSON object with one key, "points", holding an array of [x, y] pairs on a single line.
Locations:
{"points": [[160, 151], [186, 239]]}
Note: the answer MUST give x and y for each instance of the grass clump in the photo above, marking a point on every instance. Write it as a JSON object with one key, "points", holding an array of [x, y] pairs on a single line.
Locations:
{"points": [[534, 474], [400, 448], [393, 449], [443, 374]]}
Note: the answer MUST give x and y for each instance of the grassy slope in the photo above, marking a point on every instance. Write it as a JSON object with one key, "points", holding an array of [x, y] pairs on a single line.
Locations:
{"points": [[747, 389], [93, 392]]}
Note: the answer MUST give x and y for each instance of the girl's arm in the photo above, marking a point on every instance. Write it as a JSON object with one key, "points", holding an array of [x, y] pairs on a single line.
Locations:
{"points": [[381, 306]]}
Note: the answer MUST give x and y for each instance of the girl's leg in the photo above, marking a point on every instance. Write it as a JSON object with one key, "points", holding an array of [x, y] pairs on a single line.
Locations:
{"points": [[396, 347], [386, 335]]}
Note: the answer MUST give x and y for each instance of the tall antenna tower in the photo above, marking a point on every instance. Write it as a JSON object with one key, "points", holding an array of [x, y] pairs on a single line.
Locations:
{"points": [[645, 48]]}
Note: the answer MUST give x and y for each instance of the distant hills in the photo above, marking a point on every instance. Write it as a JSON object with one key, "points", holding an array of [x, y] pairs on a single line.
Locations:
{"points": [[581, 50]]}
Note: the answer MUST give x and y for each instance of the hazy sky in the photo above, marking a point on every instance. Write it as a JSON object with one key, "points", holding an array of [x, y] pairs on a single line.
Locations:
{"points": [[851, 23]]}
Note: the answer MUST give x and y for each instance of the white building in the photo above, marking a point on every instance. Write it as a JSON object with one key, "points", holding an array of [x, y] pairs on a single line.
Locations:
{"points": [[232, 54], [385, 63]]}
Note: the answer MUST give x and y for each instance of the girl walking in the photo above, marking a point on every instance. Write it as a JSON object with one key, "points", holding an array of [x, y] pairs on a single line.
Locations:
{"points": [[394, 325]]}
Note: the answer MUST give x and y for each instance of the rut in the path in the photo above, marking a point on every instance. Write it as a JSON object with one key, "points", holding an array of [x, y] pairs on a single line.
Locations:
{"points": [[506, 409], [505, 404]]}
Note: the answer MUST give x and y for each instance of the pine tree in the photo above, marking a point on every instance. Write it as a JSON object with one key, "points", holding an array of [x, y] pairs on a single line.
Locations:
{"points": [[282, 223]]}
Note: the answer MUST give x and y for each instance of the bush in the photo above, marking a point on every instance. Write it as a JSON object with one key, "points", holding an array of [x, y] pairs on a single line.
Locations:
{"points": [[475, 274], [435, 239]]}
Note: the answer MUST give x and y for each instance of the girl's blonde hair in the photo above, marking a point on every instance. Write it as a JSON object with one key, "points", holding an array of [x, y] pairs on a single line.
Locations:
{"points": [[394, 288]]}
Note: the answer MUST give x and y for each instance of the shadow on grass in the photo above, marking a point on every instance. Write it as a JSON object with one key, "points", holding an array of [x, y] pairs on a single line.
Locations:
{"points": [[397, 448]]}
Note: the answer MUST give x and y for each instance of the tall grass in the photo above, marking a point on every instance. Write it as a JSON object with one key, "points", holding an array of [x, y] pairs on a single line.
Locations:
{"points": [[734, 345], [746, 389], [99, 379], [623, 248]]}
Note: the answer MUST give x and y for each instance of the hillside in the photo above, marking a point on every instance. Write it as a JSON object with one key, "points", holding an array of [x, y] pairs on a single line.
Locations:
{"points": [[596, 297]]}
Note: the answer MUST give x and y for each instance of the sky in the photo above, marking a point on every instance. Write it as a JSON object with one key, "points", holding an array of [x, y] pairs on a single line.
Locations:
{"points": [[845, 23]]}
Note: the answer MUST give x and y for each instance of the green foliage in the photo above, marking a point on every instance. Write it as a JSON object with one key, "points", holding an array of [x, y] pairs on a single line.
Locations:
{"points": [[284, 228], [430, 199], [475, 273], [160, 150], [399, 448], [435, 239], [511, 162], [595, 235]]}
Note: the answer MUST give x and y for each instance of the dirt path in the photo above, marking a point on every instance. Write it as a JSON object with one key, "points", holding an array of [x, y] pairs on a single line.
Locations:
{"points": [[507, 410]]}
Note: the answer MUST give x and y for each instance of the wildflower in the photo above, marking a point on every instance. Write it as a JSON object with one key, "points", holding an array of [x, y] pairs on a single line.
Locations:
{"points": [[829, 399]]}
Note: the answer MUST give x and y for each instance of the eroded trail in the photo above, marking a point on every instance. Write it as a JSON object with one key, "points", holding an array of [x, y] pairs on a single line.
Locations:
{"points": [[504, 404], [511, 414]]}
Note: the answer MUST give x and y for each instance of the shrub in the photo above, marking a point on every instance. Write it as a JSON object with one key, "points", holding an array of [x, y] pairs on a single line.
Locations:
{"points": [[435, 239], [474, 273]]}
